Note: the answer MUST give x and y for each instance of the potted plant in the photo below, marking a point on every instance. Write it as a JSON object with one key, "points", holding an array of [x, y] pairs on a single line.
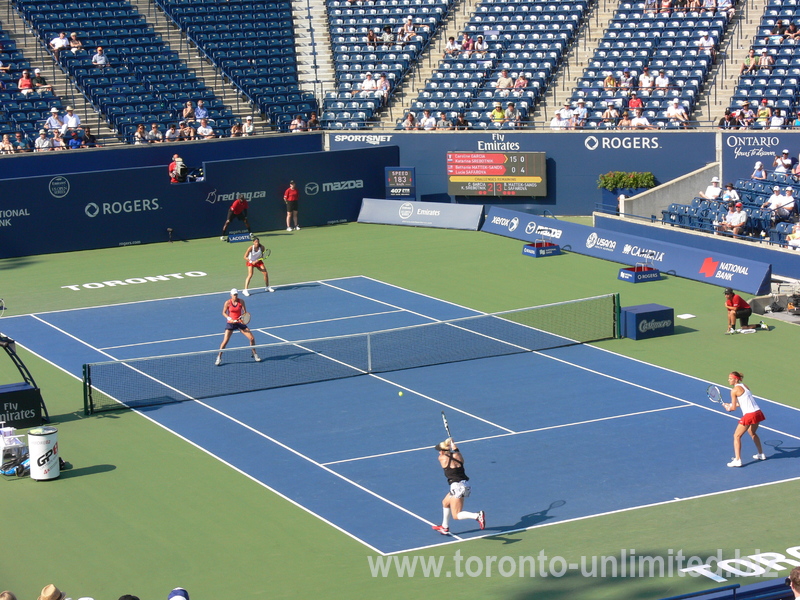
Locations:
{"points": [[616, 183]]}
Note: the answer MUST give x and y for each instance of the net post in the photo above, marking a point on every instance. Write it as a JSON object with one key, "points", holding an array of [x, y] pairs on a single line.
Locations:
{"points": [[617, 314], [87, 395], [369, 352]]}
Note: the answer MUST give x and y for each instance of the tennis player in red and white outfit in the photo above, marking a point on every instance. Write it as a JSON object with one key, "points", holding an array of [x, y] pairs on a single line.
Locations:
{"points": [[254, 257], [233, 310], [741, 396], [452, 462]]}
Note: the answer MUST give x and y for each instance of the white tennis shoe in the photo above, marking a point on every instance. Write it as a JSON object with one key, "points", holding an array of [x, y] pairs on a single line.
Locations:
{"points": [[256, 358], [218, 362], [270, 288], [288, 229], [735, 462], [759, 457], [246, 292]]}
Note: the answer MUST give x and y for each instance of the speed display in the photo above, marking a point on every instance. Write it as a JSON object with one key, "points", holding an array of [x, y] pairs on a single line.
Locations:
{"points": [[496, 174]]}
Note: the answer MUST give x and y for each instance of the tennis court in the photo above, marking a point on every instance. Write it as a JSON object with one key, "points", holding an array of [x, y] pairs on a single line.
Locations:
{"points": [[550, 436]]}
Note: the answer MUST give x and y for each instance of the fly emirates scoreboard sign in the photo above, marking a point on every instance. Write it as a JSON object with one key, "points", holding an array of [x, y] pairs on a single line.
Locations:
{"points": [[496, 174]]}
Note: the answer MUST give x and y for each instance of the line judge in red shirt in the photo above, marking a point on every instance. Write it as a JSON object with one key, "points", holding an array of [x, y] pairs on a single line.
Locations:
{"points": [[739, 309], [238, 210], [291, 197]]}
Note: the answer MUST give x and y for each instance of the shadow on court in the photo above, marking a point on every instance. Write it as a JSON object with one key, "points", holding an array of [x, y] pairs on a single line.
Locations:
{"points": [[528, 521]]}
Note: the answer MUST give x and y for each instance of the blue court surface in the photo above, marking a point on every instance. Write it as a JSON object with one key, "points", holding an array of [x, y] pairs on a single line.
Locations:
{"points": [[548, 436]]}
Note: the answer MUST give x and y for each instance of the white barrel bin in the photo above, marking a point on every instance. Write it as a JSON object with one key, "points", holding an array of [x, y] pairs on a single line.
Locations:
{"points": [[43, 449]]}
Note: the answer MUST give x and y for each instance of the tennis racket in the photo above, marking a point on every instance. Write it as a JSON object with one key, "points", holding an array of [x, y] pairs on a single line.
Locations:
{"points": [[714, 394], [446, 426], [245, 318]]}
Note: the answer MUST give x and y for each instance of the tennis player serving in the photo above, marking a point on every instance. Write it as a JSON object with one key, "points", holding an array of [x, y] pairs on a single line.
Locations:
{"points": [[741, 396], [452, 462], [254, 257], [237, 317]]}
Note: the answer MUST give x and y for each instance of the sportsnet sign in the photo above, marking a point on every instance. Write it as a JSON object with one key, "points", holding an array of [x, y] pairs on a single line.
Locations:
{"points": [[718, 269]]}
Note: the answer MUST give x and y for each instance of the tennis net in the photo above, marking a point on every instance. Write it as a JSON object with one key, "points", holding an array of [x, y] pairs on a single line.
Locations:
{"points": [[150, 381]]}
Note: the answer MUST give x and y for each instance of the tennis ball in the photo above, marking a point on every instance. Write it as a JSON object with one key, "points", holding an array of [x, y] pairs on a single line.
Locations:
{"points": [[399, 393]]}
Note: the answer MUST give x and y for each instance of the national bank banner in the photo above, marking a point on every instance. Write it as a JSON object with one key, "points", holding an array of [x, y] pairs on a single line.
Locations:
{"points": [[701, 265], [421, 214]]}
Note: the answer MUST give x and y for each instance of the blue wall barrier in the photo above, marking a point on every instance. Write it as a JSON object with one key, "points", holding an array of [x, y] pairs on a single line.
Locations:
{"points": [[193, 153], [420, 214], [574, 160], [741, 150], [714, 268], [785, 264], [131, 206]]}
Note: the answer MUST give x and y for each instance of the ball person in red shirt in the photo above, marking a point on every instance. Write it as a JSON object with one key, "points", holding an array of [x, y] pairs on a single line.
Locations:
{"points": [[739, 309], [291, 197], [238, 210]]}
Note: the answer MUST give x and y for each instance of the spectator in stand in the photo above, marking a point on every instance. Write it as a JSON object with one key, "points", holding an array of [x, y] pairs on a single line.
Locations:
{"points": [[154, 136], [676, 113], [372, 39], [580, 115], [72, 122], [709, 7], [763, 114], [186, 133], [627, 81], [777, 120], [236, 129], [89, 140], [443, 123], [746, 115], [646, 81], [6, 146], [651, 7], [726, 7], [481, 47], [610, 82], [735, 221], [713, 191], [780, 206], [665, 8], [171, 134], [759, 172], [792, 33], [100, 59], [406, 32], [368, 85], [427, 122], [467, 45], [766, 62], [383, 88], [512, 117], [74, 141], [248, 128], [313, 123], [188, 111], [58, 140], [498, 115], [452, 48], [634, 101], [504, 83], [54, 121], [729, 194], [75, 45], [783, 162], [42, 143], [611, 114], [706, 43], [639, 121], [410, 122], [728, 120], [777, 33], [793, 243], [625, 121], [39, 82], [725, 225], [387, 37], [59, 43], [25, 83], [201, 112], [520, 83], [750, 63], [662, 81], [566, 114], [796, 123], [557, 124], [21, 144], [140, 135], [205, 131], [461, 123], [297, 125]]}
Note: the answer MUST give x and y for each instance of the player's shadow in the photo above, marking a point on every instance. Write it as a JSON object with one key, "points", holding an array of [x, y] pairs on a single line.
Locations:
{"points": [[528, 521]]}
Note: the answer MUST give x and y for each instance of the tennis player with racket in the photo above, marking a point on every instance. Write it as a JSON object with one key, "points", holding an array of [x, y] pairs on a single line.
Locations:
{"points": [[237, 317], [741, 396], [254, 257], [452, 461]]}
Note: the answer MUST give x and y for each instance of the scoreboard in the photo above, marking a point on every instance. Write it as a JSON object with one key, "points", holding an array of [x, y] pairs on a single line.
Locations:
{"points": [[496, 174]]}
